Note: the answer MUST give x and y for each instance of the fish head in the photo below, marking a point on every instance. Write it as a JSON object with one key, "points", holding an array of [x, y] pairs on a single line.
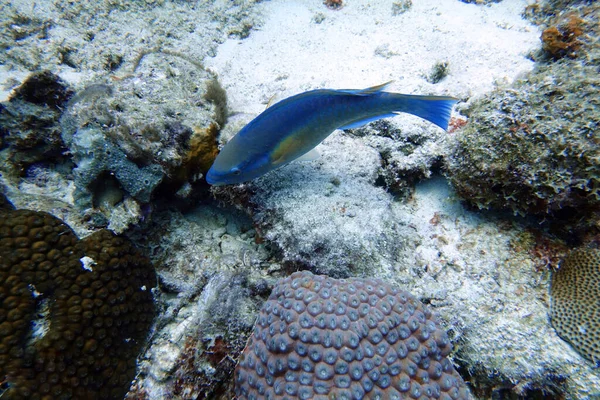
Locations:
{"points": [[236, 164]]}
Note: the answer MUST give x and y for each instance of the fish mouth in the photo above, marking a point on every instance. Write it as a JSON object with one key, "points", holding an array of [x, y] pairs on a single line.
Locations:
{"points": [[211, 179], [215, 179]]}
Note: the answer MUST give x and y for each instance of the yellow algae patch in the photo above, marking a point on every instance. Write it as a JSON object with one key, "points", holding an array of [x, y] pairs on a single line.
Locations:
{"points": [[203, 149]]}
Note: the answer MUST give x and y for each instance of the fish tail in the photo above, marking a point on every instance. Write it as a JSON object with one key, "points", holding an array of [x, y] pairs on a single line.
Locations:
{"points": [[435, 109]]}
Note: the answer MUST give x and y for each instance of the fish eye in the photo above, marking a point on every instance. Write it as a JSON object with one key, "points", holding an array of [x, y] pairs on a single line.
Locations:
{"points": [[236, 171]]}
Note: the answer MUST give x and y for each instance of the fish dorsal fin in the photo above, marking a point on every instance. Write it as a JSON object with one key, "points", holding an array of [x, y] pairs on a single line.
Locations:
{"points": [[368, 91]]}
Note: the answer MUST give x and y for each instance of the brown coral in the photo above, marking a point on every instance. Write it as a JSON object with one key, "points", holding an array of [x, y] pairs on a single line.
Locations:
{"points": [[562, 40], [346, 339], [73, 313], [575, 310], [334, 4]]}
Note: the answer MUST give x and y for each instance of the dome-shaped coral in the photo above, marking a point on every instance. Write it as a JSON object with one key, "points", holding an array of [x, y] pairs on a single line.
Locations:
{"points": [[346, 339], [575, 310], [73, 313]]}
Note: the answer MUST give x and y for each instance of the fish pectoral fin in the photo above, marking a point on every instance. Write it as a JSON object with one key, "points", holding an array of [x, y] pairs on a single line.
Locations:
{"points": [[363, 122], [366, 92], [283, 152], [310, 156], [271, 101], [279, 160], [288, 149]]}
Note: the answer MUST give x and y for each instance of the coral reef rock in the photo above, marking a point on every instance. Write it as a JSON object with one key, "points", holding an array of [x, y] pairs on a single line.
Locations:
{"points": [[213, 281], [29, 121], [575, 310], [146, 113], [328, 215], [73, 313], [129, 133], [408, 151], [346, 339], [481, 276], [533, 148]]}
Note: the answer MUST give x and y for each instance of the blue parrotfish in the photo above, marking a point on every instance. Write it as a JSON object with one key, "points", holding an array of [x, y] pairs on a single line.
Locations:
{"points": [[294, 126]]}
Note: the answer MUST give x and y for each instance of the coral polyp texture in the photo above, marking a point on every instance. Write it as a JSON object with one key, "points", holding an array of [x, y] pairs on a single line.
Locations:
{"points": [[319, 337], [575, 310], [73, 313]]}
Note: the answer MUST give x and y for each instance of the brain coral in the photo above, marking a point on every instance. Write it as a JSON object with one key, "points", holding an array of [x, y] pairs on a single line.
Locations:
{"points": [[319, 337], [575, 309], [73, 313]]}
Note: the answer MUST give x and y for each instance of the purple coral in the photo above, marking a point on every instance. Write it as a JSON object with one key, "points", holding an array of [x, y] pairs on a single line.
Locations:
{"points": [[346, 339]]}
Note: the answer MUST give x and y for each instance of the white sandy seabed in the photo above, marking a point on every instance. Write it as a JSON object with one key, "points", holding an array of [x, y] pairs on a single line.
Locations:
{"points": [[364, 44]]}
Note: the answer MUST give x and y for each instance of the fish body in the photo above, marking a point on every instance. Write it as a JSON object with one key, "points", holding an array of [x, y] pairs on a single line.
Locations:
{"points": [[294, 126]]}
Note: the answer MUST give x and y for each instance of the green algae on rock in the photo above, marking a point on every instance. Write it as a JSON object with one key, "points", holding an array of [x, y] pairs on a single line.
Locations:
{"points": [[533, 149], [575, 310], [73, 313]]}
